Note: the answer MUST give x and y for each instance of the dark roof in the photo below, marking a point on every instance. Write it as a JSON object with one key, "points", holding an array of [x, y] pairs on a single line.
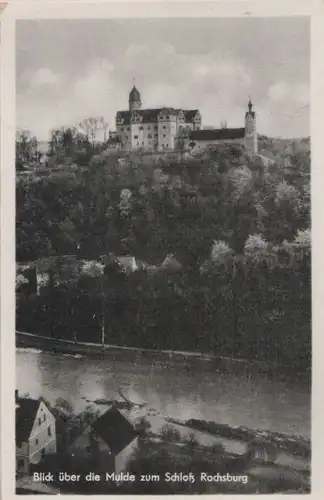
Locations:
{"points": [[151, 114], [190, 114], [214, 134], [115, 430], [25, 417], [134, 95]]}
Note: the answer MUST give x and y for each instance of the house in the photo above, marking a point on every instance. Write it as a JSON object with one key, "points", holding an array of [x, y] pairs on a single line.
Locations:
{"points": [[152, 129], [171, 264], [26, 486], [127, 263], [35, 432], [108, 443]]}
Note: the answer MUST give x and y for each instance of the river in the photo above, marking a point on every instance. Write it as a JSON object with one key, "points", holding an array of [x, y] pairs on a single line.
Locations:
{"points": [[250, 400]]}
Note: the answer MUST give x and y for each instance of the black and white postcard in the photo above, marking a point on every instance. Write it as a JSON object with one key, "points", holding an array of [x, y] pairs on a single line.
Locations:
{"points": [[161, 287]]}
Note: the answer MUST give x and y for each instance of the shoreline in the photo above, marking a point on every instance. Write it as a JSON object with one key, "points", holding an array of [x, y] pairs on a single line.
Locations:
{"points": [[163, 358]]}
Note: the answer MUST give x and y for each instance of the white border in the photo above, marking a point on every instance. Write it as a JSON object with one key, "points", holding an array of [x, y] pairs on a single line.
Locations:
{"points": [[46, 9]]}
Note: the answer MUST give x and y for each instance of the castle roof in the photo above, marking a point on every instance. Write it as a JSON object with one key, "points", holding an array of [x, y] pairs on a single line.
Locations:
{"points": [[215, 134], [151, 114], [134, 95]]}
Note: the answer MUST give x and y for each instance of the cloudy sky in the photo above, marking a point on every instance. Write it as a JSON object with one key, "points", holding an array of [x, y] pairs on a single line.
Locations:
{"points": [[68, 70]]}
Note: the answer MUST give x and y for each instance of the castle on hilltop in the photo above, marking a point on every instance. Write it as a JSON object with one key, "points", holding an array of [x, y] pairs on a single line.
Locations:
{"points": [[167, 129]]}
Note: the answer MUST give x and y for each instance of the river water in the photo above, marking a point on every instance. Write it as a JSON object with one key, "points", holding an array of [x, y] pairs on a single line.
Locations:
{"points": [[250, 400]]}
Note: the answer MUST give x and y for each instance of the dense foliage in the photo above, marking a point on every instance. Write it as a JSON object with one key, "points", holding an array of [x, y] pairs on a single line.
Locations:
{"points": [[239, 230]]}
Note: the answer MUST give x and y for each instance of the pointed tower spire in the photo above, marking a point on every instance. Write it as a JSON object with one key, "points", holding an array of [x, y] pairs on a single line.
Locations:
{"points": [[250, 104]]}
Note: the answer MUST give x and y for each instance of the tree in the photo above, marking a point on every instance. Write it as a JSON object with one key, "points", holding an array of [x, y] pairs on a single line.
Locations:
{"points": [[26, 147]]}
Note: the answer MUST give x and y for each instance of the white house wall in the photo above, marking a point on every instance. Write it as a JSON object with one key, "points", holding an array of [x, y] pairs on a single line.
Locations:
{"points": [[122, 459], [43, 434]]}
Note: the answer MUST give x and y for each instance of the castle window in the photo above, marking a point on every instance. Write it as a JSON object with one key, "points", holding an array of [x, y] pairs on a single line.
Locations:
{"points": [[141, 128], [167, 117], [156, 135], [36, 442], [122, 129], [155, 127], [39, 421], [49, 431], [143, 143], [164, 126], [128, 128], [135, 136], [148, 127], [164, 135], [149, 136]]}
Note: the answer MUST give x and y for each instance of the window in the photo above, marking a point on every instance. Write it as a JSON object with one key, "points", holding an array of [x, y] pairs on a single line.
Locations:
{"points": [[36, 441], [164, 135], [167, 117], [39, 421], [148, 127], [142, 143], [141, 128], [164, 126], [155, 127], [44, 418], [167, 145], [49, 431], [149, 136], [156, 135], [128, 128], [122, 129], [135, 136], [21, 463], [43, 452]]}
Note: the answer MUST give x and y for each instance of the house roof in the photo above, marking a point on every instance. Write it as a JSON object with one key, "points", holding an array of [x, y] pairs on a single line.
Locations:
{"points": [[151, 114], [26, 410], [115, 430], [215, 134], [170, 262]]}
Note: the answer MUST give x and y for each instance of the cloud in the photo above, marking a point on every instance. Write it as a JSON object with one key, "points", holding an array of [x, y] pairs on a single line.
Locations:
{"points": [[45, 76], [216, 72]]}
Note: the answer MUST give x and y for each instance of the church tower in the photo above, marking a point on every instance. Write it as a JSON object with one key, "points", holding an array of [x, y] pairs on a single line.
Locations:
{"points": [[251, 136], [134, 100]]}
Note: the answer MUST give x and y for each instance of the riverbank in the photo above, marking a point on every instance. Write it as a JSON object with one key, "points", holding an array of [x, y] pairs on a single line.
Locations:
{"points": [[162, 359], [296, 445]]}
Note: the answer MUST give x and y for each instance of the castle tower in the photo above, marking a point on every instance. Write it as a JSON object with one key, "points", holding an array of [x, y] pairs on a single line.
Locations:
{"points": [[134, 100], [251, 136]]}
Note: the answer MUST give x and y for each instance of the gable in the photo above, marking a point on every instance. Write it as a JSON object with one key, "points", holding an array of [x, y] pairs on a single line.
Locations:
{"points": [[26, 411], [43, 418]]}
